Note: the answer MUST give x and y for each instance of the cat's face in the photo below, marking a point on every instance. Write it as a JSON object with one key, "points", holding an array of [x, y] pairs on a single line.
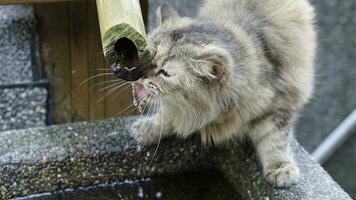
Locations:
{"points": [[185, 62]]}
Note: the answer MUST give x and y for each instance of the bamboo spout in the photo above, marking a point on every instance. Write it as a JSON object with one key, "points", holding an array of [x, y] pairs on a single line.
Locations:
{"points": [[123, 37]]}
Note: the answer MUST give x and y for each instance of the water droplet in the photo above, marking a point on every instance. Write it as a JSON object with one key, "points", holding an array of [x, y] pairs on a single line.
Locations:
{"points": [[158, 195], [135, 100], [139, 147], [140, 192], [141, 106]]}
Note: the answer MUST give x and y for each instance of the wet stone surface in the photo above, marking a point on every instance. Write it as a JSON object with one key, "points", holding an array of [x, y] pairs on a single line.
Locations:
{"points": [[50, 159], [22, 108], [54, 158], [313, 184]]}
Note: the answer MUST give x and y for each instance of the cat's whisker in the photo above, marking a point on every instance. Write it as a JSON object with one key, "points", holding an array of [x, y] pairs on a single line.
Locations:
{"points": [[145, 129], [101, 69], [143, 95], [92, 77], [113, 90], [154, 108], [106, 82], [145, 106], [160, 136], [151, 108], [110, 86], [123, 89], [132, 109], [117, 114], [148, 114], [141, 125], [143, 115]]}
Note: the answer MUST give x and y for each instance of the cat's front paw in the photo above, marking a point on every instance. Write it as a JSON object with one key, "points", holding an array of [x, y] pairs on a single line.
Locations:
{"points": [[143, 131], [282, 175]]}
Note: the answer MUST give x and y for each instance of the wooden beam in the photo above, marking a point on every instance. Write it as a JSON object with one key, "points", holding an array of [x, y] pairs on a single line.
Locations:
{"points": [[96, 65], [79, 60], [55, 51], [124, 37]]}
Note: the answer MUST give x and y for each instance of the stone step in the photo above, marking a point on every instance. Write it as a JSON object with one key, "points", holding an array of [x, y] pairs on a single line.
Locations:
{"points": [[17, 29], [54, 158], [20, 106]]}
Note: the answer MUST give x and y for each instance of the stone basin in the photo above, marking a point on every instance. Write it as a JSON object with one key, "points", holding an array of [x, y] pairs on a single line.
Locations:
{"points": [[55, 158]]}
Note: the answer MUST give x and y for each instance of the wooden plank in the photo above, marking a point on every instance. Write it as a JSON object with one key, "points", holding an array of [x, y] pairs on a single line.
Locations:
{"points": [[79, 60], [32, 1], [53, 29], [96, 64]]}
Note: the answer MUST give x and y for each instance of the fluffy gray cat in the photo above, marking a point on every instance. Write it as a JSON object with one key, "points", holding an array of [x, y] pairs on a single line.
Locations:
{"points": [[241, 69]]}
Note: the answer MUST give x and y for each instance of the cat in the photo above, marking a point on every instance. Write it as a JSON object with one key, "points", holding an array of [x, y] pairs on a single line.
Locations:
{"points": [[240, 69]]}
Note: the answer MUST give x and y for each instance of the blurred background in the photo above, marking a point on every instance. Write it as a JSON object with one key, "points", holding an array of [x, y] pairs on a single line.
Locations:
{"points": [[47, 50]]}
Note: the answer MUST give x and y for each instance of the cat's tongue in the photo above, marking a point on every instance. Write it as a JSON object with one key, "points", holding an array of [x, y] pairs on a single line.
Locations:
{"points": [[141, 92]]}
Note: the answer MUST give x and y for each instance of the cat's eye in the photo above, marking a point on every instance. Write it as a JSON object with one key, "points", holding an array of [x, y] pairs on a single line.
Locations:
{"points": [[164, 73]]}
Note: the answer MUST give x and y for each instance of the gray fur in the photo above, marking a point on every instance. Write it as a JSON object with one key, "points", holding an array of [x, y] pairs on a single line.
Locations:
{"points": [[242, 68]]}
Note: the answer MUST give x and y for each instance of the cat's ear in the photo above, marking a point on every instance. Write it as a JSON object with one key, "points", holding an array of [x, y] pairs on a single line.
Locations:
{"points": [[165, 12], [213, 62]]}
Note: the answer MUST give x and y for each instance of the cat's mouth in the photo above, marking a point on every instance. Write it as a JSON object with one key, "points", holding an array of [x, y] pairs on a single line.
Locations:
{"points": [[141, 92]]}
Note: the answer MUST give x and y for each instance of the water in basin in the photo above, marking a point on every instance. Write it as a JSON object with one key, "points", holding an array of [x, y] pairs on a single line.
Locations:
{"points": [[207, 185]]}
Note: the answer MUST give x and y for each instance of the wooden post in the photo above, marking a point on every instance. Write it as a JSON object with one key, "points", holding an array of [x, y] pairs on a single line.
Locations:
{"points": [[123, 37]]}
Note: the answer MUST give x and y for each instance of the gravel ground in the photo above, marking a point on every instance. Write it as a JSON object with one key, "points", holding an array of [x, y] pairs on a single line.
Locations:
{"points": [[17, 23], [22, 108]]}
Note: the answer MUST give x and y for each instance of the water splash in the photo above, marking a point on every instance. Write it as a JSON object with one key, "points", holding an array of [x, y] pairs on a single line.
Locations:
{"points": [[140, 105], [158, 195], [140, 193]]}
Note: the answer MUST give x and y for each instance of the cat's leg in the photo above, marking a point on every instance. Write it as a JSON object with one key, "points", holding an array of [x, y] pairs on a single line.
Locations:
{"points": [[271, 136], [150, 129]]}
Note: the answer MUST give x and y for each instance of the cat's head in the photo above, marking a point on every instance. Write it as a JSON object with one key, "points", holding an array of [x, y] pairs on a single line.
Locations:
{"points": [[189, 61]]}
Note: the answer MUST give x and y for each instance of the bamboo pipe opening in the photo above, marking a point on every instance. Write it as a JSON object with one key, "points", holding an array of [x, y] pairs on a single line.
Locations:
{"points": [[127, 64]]}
